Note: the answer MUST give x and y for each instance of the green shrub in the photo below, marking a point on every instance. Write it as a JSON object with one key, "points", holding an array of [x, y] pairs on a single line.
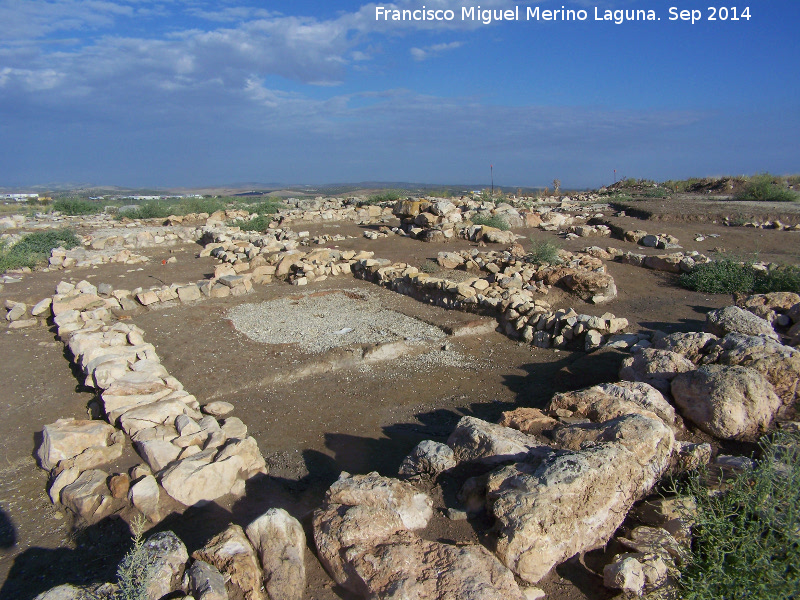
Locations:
{"points": [[136, 568], [35, 248], [385, 196], [765, 188], [76, 206], [727, 276], [260, 223], [747, 536], [724, 276], [490, 221], [429, 267], [781, 279], [270, 206], [150, 210], [543, 253]]}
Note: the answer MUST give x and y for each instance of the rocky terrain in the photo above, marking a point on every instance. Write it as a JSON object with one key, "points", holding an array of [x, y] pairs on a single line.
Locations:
{"points": [[428, 398]]}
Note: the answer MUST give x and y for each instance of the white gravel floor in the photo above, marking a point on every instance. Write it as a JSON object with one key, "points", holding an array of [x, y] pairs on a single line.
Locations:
{"points": [[317, 323]]}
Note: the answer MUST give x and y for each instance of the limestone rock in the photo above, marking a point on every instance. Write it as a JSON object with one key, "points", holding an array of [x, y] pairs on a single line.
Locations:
{"points": [[550, 509], [158, 454], [427, 458], [626, 574], [144, 494], [67, 438], [198, 479], [162, 412], [168, 555], [88, 496], [693, 345], [733, 319], [280, 542], [206, 582], [528, 420], [405, 566], [779, 364], [611, 400], [358, 513], [477, 440], [727, 402], [218, 409], [656, 367], [231, 553], [412, 506]]}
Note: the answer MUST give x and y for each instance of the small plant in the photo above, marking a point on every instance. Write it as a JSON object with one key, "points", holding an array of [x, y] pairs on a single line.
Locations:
{"points": [[76, 206], [260, 223], [150, 210], [556, 186], [728, 276], [781, 279], [35, 248], [136, 568], [270, 206], [429, 267], [386, 196], [724, 276], [747, 536], [543, 253], [766, 188], [491, 221]]}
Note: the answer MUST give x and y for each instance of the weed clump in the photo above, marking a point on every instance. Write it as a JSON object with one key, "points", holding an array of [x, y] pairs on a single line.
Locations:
{"points": [[495, 221], [429, 267], [543, 253], [725, 276], [747, 535], [35, 248], [728, 276], [766, 188], [386, 196], [150, 210], [136, 568], [259, 223], [76, 206]]}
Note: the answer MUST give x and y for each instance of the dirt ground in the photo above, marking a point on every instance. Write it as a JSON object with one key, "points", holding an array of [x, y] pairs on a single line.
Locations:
{"points": [[355, 418]]}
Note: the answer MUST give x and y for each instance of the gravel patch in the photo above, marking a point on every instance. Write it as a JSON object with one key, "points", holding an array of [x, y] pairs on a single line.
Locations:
{"points": [[317, 323]]}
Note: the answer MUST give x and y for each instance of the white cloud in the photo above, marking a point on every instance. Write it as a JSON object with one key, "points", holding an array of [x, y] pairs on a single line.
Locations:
{"points": [[428, 51]]}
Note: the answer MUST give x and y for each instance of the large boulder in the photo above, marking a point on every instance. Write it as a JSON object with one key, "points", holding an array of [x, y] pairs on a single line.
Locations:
{"points": [[611, 400], [200, 478], [427, 458], [548, 510], [733, 319], [279, 540], [405, 566], [693, 345], [88, 496], [67, 438], [206, 582], [167, 555], [590, 284], [492, 235], [364, 539], [729, 402], [480, 441], [359, 512], [656, 367], [780, 364], [231, 553]]}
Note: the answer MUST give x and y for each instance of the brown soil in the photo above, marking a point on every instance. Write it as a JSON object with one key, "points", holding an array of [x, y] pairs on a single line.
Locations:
{"points": [[354, 419]]}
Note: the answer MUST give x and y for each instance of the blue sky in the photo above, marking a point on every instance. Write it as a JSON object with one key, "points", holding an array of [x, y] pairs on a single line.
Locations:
{"points": [[192, 93]]}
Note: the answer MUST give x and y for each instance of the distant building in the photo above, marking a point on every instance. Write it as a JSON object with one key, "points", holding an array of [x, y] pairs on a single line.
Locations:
{"points": [[20, 197]]}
